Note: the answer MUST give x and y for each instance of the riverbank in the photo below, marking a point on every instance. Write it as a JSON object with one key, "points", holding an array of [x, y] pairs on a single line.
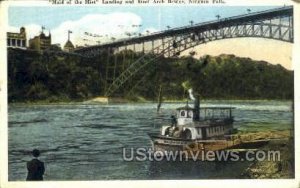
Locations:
{"points": [[270, 169], [104, 100]]}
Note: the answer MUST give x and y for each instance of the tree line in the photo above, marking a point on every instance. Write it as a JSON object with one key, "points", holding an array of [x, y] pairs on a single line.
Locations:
{"points": [[52, 78]]}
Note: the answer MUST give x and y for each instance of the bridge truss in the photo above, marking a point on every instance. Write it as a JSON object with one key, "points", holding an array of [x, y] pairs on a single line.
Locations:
{"points": [[276, 24]]}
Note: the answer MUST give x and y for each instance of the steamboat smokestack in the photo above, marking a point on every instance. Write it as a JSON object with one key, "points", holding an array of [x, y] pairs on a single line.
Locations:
{"points": [[197, 108]]}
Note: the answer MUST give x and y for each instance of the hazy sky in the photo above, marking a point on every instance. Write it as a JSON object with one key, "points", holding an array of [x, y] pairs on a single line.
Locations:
{"points": [[151, 16], [116, 21]]}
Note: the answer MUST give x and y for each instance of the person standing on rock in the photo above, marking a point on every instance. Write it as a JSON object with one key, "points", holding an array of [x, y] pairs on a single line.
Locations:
{"points": [[35, 167]]}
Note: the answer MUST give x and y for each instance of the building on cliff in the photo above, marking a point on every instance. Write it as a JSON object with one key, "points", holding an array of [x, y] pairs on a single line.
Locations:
{"points": [[41, 42], [69, 47], [17, 40]]}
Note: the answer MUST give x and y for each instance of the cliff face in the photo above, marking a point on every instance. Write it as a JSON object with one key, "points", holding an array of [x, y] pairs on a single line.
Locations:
{"points": [[34, 77], [52, 78]]}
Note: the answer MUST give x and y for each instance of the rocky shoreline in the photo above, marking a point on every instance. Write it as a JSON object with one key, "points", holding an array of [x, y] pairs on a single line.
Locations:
{"points": [[269, 169]]}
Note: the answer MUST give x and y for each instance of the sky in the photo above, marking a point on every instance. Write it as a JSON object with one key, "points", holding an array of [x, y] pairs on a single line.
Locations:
{"points": [[112, 21]]}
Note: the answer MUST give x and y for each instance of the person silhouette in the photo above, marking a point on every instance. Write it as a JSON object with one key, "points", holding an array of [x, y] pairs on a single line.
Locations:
{"points": [[35, 168], [173, 121]]}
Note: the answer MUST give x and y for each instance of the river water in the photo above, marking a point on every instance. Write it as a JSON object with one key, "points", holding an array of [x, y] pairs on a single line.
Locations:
{"points": [[86, 141]]}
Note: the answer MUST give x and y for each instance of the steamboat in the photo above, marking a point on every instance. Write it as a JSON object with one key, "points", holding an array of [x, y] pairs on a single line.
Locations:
{"points": [[195, 128]]}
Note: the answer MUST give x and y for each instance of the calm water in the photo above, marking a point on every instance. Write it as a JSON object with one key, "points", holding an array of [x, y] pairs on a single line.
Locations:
{"points": [[84, 141]]}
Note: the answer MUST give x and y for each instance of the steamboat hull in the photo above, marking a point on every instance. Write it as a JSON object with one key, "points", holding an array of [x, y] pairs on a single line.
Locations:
{"points": [[167, 144], [164, 143]]}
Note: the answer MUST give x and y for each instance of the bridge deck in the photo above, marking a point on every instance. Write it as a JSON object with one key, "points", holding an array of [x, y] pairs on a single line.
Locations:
{"points": [[255, 16]]}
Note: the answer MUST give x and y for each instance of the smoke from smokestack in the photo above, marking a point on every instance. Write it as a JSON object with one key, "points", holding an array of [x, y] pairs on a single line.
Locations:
{"points": [[191, 94]]}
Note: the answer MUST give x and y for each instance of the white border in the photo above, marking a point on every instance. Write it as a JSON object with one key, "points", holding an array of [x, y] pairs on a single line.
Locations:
{"points": [[290, 183]]}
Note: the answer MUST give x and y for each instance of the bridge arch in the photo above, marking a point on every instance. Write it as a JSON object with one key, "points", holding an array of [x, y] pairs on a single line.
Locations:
{"points": [[174, 46], [275, 24], [263, 30]]}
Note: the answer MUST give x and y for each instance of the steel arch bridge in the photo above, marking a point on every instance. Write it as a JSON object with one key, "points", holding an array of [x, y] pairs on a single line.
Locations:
{"points": [[276, 24]]}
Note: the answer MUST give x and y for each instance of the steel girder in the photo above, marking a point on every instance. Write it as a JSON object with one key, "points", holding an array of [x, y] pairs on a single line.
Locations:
{"points": [[175, 45]]}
